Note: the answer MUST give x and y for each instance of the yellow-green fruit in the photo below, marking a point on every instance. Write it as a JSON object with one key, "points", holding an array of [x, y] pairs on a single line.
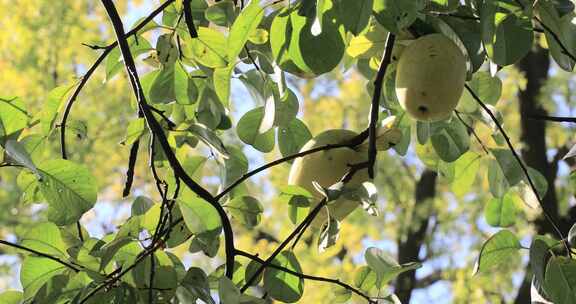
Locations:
{"points": [[430, 77], [327, 167]]}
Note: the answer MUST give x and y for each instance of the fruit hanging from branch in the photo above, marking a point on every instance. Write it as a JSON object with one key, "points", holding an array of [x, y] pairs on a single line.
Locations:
{"points": [[327, 167], [430, 77]]}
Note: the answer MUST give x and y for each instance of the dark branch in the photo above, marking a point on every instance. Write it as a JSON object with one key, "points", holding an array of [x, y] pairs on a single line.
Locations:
{"points": [[189, 19], [44, 255], [375, 105], [156, 129], [553, 118], [131, 164]]}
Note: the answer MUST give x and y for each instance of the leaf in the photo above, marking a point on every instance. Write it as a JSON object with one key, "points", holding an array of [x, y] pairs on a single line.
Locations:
{"points": [[69, 188], [246, 209], [395, 15], [283, 286], [365, 278], [329, 234], [450, 139], [36, 271], [560, 281], [572, 235], [496, 179], [509, 165], [386, 266], [354, 15], [11, 297], [498, 249], [162, 86], [560, 28], [221, 13], [539, 255], [52, 106], [209, 49], [185, 90], [245, 24], [340, 294], [506, 31], [13, 115], [134, 131], [114, 62], [251, 269], [293, 137], [222, 83], [228, 292], [196, 283], [248, 127], [46, 238], [501, 212], [18, 153], [465, 171], [199, 216], [366, 194], [209, 138], [487, 88]]}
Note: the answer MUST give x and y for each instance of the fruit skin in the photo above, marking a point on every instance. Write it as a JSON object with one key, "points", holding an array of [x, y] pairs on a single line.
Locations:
{"points": [[328, 167], [430, 77]]}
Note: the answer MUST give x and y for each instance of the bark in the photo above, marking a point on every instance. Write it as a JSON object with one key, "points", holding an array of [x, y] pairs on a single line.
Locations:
{"points": [[409, 246]]}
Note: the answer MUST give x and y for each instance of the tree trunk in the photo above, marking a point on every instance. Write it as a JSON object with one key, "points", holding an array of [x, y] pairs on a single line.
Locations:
{"points": [[409, 247]]}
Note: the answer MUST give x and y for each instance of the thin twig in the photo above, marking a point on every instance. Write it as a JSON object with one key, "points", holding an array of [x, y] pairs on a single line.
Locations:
{"points": [[375, 105], [518, 159], [553, 118], [131, 165], [471, 130], [44, 255], [189, 19], [306, 276]]}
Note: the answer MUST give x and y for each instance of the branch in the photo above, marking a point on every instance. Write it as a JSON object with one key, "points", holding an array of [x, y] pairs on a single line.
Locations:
{"points": [[378, 82], [306, 276], [189, 20], [156, 129], [471, 130], [553, 118], [350, 144], [428, 280], [107, 49], [53, 258], [131, 165], [518, 159], [302, 227]]}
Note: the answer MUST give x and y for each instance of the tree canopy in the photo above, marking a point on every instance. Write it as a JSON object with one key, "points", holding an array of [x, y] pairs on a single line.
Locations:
{"points": [[288, 151]]}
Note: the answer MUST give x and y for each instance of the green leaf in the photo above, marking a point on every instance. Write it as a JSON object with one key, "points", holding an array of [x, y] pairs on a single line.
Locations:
{"points": [[245, 24], [199, 216], [207, 242], [69, 188], [354, 15], [228, 292], [185, 90], [234, 167], [365, 278], [293, 137], [11, 297], [166, 50], [509, 165], [539, 255], [209, 138], [561, 28], [560, 281], [13, 115], [221, 13], [498, 249], [283, 286], [209, 49], [45, 238], [572, 235], [222, 83], [18, 153], [465, 171], [248, 127], [340, 294], [246, 209], [53, 104], [396, 15], [196, 284], [501, 212], [450, 139], [251, 269], [506, 31], [36, 271], [162, 87], [486, 87], [385, 265], [134, 131]]}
